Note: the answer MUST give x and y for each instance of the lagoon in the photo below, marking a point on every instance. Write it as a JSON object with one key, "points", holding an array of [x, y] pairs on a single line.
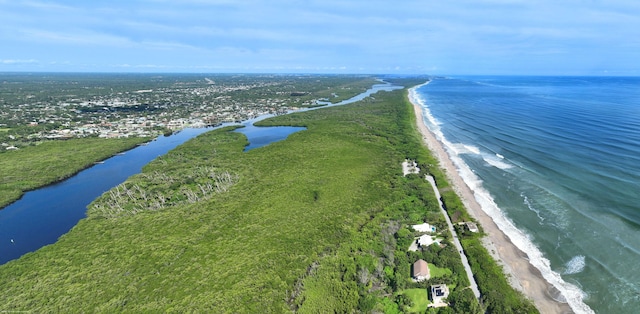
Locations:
{"points": [[41, 216], [259, 136]]}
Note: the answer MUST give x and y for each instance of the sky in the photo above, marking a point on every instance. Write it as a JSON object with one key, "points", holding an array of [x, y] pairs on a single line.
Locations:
{"points": [[434, 37]]}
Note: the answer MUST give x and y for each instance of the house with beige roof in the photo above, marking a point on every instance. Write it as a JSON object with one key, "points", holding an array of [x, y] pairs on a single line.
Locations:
{"points": [[420, 270]]}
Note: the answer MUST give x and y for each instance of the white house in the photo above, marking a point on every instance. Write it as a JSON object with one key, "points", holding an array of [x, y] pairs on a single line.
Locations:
{"points": [[425, 227], [426, 240]]}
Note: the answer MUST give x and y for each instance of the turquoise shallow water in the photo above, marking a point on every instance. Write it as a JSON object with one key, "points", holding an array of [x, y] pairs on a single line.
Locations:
{"points": [[556, 161]]}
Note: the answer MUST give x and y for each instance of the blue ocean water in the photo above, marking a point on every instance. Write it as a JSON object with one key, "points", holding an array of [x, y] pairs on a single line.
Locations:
{"points": [[556, 162]]}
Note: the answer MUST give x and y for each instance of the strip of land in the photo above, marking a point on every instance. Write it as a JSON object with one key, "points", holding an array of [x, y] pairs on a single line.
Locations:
{"points": [[321, 221], [53, 161], [515, 262], [456, 242]]}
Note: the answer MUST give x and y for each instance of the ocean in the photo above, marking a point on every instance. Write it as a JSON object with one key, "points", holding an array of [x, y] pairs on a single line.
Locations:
{"points": [[556, 162]]}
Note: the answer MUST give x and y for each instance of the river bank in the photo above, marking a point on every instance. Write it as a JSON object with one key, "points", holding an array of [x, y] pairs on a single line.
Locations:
{"points": [[522, 274], [45, 213], [50, 162]]}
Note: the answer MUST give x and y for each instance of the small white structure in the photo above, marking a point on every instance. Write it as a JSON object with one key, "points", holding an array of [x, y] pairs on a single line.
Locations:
{"points": [[472, 226], [425, 227], [438, 294], [410, 166]]}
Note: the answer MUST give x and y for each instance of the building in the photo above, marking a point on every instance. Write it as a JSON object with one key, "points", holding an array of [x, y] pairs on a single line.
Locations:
{"points": [[472, 226], [439, 293], [421, 270], [425, 240], [425, 227]]}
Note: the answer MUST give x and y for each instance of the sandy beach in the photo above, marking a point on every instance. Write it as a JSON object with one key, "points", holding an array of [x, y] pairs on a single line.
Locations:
{"points": [[523, 276]]}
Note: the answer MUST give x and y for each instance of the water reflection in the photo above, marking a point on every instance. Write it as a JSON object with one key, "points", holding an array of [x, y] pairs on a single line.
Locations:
{"points": [[262, 136]]}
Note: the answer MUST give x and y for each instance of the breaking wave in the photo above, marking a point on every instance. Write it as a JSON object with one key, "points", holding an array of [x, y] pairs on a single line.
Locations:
{"points": [[575, 265]]}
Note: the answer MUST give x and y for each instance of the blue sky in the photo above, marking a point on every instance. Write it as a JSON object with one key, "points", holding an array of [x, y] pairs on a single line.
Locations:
{"points": [[557, 37]]}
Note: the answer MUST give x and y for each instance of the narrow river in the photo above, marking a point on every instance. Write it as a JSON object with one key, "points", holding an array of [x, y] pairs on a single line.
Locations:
{"points": [[41, 216]]}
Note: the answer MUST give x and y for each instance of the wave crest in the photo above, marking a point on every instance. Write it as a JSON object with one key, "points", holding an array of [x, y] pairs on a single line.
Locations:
{"points": [[575, 265], [497, 163]]}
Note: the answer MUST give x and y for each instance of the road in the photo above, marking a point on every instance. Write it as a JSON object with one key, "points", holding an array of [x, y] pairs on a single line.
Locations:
{"points": [[456, 241]]}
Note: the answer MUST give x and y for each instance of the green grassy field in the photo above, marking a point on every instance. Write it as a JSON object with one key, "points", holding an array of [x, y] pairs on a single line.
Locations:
{"points": [[51, 161], [437, 272], [419, 298], [311, 224]]}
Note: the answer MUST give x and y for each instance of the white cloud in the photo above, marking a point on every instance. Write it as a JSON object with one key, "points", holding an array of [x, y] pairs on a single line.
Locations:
{"points": [[82, 38], [316, 34], [47, 6], [18, 61]]}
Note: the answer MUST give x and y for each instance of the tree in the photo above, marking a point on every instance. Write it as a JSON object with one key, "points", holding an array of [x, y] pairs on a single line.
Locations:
{"points": [[464, 302]]}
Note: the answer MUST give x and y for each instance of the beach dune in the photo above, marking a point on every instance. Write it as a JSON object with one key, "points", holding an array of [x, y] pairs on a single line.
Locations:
{"points": [[522, 275]]}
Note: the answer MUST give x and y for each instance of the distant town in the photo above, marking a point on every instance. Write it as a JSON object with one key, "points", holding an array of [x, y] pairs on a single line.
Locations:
{"points": [[59, 106]]}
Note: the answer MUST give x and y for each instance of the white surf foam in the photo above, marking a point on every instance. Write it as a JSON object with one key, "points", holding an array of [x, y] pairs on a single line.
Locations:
{"points": [[472, 149], [491, 160], [498, 163], [575, 265], [571, 293], [531, 207], [460, 148]]}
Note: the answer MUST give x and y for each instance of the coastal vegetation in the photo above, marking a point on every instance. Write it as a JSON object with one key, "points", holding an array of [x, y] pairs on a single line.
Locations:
{"points": [[316, 223], [52, 161]]}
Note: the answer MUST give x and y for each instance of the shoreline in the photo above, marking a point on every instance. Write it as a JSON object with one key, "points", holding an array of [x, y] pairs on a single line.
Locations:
{"points": [[521, 274], [70, 175]]}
